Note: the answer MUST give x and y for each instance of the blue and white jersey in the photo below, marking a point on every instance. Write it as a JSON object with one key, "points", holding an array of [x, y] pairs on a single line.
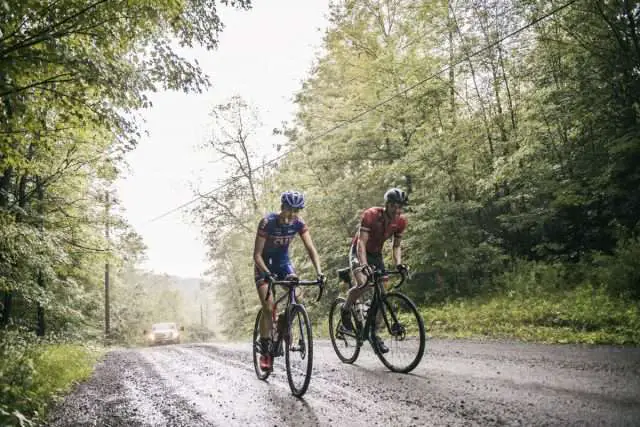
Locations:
{"points": [[279, 236]]}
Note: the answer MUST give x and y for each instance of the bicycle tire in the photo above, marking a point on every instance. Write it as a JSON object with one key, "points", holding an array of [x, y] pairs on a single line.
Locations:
{"points": [[262, 375], [337, 305], [421, 333], [293, 313]]}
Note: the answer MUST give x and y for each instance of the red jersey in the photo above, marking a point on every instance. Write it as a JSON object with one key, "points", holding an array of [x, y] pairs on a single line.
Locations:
{"points": [[380, 228]]}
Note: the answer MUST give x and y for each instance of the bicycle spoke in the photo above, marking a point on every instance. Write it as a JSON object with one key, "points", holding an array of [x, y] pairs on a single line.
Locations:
{"points": [[302, 348], [299, 352], [345, 344], [401, 328]]}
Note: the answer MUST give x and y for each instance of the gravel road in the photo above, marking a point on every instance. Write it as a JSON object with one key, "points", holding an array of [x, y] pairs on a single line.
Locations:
{"points": [[457, 383]]}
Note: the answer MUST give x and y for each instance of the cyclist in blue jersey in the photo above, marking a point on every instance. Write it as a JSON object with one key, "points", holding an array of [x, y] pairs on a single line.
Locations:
{"points": [[271, 256]]}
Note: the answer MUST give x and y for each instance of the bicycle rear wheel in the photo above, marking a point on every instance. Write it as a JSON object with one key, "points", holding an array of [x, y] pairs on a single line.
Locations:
{"points": [[262, 375], [299, 348], [346, 347], [401, 327]]}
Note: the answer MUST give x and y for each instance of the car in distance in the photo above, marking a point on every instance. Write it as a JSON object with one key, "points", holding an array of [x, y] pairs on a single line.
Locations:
{"points": [[164, 333]]}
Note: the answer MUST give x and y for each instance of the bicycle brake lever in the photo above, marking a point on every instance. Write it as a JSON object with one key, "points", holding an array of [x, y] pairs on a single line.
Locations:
{"points": [[269, 285], [406, 274], [321, 292]]}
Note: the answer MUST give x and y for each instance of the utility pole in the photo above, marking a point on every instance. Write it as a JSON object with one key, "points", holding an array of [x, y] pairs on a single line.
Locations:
{"points": [[106, 268]]}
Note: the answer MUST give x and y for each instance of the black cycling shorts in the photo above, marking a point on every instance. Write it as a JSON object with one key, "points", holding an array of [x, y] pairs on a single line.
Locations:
{"points": [[374, 260]]}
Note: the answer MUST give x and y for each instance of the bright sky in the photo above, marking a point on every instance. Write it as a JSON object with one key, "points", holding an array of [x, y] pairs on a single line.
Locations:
{"points": [[263, 56]]}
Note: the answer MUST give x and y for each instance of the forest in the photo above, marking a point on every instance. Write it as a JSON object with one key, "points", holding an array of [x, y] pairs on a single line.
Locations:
{"points": [[73, 77], [514, 128], [513, 125]]}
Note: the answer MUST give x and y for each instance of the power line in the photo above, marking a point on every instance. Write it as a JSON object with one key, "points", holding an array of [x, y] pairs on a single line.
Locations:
{"points": [[374, 107], [199, 196]]}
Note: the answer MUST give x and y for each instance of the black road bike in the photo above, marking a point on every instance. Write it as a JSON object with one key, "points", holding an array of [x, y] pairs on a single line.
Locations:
{"points": [[389, 316], [293, 333]]}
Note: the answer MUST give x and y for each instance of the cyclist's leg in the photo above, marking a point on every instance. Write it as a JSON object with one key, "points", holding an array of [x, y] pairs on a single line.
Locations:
{"points": [[377, 262], [282, 270], [354, 293], [361, 279], [262, 286]]}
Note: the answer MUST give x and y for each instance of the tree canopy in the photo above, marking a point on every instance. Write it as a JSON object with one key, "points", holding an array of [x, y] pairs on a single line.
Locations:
{"points": [[73, 76], [513, 126]]}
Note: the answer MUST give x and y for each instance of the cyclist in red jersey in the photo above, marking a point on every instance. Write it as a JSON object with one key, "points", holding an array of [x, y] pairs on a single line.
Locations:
{"points": [[377, 225]]}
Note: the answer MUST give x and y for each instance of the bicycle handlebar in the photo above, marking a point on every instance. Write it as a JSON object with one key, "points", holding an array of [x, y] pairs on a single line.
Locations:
{"points": [[404, 273], [294, 283]]}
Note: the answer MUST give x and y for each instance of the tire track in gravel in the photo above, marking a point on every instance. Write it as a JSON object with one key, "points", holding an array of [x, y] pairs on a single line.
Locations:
{"points": [[124, 390], [487, 383], [458, 383], [369, 390]]}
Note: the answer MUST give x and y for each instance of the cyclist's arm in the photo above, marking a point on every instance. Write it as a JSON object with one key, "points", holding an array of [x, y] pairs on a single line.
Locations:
{"points": [[396, 253], [363, 238], [258, 247], [311, 250]]}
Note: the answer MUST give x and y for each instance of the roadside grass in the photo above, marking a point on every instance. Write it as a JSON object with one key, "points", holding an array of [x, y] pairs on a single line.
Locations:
{"points": [[534, 303], [586, 314], [34, 375]]}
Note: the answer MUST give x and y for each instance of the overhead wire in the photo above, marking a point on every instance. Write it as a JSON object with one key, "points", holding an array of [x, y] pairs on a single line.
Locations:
{"points": [[352, 119]]}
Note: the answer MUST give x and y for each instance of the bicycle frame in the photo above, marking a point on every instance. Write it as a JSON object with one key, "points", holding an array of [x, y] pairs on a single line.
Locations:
{"points": [[292, 301], [303, 346], [364, 333], [390, 305]]}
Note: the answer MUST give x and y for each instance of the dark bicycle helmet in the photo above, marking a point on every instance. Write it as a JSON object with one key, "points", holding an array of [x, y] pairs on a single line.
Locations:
{"points": [[292, 199], [396, 195]]}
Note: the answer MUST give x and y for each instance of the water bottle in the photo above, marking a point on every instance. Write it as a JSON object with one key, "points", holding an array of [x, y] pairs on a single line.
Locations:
{"points": [[359, 312], [365, 309]]}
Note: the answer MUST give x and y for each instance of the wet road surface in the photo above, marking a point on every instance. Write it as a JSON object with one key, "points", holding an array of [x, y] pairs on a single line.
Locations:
{"points": [[457, 383]]}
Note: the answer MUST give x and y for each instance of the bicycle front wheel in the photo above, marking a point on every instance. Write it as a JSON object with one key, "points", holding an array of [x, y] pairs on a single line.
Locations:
{"points": [[262, 375], [299, 350], [346, 346], [401, 327]]}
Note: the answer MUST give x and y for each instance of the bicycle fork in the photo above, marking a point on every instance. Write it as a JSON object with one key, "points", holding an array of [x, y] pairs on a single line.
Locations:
{"points": [[287, 334]]}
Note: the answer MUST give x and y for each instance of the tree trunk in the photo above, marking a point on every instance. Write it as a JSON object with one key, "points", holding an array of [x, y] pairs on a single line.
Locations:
{"points": [[6, 179], [483, 111], [452, 83], [41, 281]]}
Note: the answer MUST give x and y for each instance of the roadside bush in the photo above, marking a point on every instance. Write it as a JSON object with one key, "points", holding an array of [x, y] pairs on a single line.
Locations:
{"points": [[33, 373], [620, 272]]}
